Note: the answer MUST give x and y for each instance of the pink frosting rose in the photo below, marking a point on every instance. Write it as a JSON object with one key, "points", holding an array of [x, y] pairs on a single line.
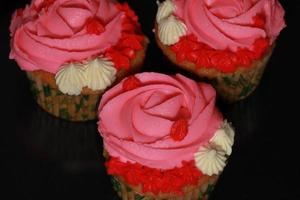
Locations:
{"points": [[136, 124], [224, 24], [49, 33]]}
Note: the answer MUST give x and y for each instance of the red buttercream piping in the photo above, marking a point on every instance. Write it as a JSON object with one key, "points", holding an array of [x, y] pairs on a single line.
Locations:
{"points": [[130, 41], [131, 36], [226, 61], [155, 180], [188, 48]]}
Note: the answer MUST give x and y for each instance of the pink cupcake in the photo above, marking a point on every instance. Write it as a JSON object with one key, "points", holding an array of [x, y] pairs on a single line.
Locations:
{"points": [[73, 50], [228, 42], [163, 137]]}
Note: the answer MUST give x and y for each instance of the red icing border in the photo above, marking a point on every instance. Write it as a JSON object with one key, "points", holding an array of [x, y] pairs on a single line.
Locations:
{"points": [[155, 180], [131, 35], [130, 42], [189, 49], [226, 61]]}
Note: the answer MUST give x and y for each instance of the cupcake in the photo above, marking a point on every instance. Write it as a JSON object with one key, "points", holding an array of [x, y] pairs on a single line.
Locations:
{"points": [[73, 50], [165, 139], [226, 42]]}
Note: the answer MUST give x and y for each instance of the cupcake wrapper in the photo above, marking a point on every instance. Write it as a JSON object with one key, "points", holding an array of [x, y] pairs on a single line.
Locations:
{"points": [[239, 85], [73, 108], [125, 192]]}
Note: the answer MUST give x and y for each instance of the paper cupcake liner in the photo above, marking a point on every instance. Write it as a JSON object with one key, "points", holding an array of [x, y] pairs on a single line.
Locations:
{"points": [[201, 192], [73, 108]]}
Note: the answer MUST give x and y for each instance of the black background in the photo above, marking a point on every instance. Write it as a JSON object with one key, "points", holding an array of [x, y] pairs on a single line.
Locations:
{"points": [[43, 157]]}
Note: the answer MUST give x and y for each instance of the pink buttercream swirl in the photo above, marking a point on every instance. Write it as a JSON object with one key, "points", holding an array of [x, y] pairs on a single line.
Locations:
{"points": [[136, 124], [229, 24], [49, 33]]}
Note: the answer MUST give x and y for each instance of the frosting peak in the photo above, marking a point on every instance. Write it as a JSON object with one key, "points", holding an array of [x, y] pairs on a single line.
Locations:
{"points": [[97, 74], [210, 160], [228, 24], [71, 78], [170, 29], [159, 122], [224, 138], [49, 33], [165, 9], [229, 9], [100, 73]]}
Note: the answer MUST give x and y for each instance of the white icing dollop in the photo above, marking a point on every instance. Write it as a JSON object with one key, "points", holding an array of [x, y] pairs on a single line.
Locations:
{"points": [[71, 78], [97, 74], [170, 29], [224, 138], [165, 9], [210, 160], [100, 74]]}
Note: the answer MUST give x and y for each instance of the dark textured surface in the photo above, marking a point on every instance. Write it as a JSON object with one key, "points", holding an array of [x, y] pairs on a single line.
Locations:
{"points": [[44, 157]]}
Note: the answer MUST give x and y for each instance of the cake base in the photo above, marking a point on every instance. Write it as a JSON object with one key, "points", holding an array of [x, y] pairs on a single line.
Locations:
{"points": [[200, 192], [81, 107], [231, 87]]}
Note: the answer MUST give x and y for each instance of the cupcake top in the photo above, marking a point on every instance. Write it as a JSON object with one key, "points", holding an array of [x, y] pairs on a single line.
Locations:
{"points": [[164, 123], [52, 35], [245, 28]]}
